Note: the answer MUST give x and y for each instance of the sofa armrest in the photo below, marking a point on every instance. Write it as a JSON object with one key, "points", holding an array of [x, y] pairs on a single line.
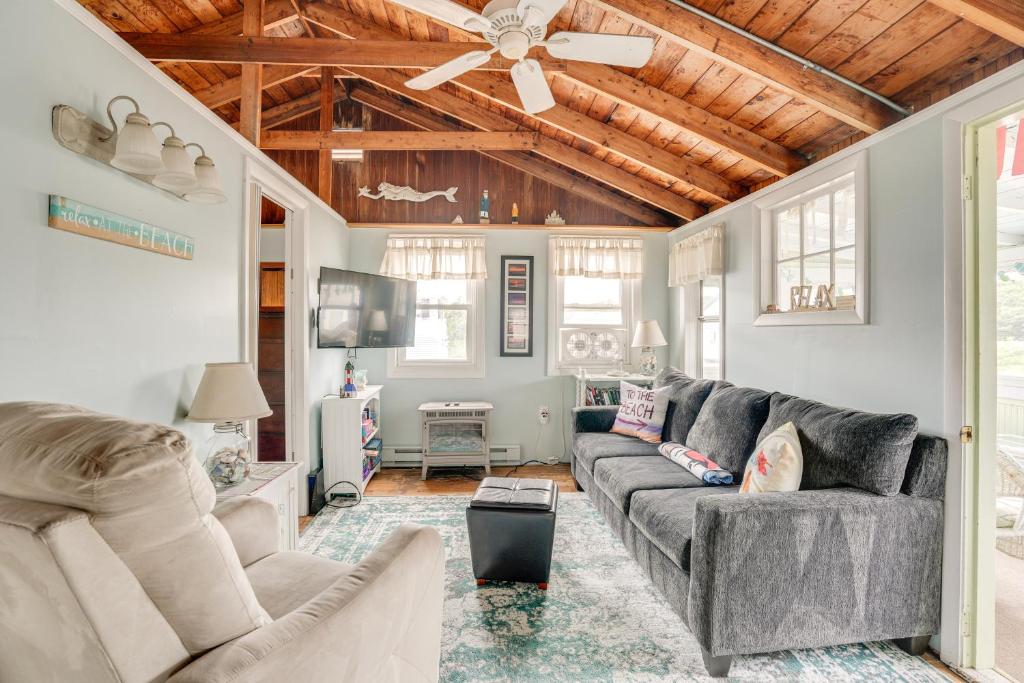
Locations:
{"points": [[380, 622], [252, 524], [594, 418], [778, 571]]}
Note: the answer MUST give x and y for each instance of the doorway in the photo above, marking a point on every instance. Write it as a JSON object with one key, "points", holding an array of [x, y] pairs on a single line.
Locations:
{"points": [[272, 338], [995, 152]]}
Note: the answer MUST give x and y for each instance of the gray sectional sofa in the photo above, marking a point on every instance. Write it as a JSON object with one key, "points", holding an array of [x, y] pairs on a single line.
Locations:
{"points": [[854, 556]]}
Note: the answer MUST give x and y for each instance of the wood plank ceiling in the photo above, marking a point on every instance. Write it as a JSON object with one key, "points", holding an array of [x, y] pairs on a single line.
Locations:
{"points": [[711, 117]]}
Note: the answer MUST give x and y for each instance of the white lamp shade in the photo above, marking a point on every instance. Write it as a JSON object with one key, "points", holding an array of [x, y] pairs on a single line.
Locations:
{"points": [[648, 333], [228, 392], [207, 189], [378, 322], [137, 149], [179, 174]]}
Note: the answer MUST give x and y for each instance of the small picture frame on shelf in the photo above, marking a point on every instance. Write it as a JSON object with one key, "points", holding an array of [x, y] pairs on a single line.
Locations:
{"points": [[516, 306]]}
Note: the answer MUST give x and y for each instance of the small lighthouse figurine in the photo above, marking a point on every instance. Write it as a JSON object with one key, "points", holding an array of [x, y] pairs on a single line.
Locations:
{"points": [[349, 390], [485, 208], [515, 214]]}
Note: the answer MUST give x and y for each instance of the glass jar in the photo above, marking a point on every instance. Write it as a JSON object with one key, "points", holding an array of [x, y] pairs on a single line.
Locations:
{"points": [[228, 455]]}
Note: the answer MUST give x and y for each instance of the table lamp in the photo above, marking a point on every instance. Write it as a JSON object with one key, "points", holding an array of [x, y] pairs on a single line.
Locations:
{"points": [[648, 335], [228, 395]]}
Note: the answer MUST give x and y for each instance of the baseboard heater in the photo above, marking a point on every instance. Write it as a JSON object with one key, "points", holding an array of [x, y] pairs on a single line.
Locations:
{"points": [[412, 456]]}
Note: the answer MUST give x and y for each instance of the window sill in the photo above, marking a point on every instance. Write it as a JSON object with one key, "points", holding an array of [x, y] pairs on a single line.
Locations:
{"points": [[853, 317], [436, 371]]}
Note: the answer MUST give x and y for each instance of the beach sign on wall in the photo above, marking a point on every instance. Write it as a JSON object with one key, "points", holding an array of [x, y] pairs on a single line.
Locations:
{"points": [[73, 216]]}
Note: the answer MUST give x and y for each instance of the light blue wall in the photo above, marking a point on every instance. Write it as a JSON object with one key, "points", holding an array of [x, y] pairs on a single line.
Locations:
{"points": [[95, 323], [892, 364], [516, 386]]}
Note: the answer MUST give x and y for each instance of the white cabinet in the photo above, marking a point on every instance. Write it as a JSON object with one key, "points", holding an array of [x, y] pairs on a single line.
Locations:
{"points": [[350, 434], [277, 483]]}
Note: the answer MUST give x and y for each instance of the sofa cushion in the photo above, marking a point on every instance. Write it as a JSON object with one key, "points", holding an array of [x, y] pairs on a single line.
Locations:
{"points": [[686, 397], [665, 517], [619, 478], [289, 579], [727, 425], [150, 500], [590, 447], [844, 447]]}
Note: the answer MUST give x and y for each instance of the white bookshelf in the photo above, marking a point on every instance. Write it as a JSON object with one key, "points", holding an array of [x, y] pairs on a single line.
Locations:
{"points": [[585, 380], [343, 440]]}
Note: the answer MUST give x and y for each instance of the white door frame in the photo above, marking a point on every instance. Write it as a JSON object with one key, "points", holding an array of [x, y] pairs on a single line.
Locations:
{"points": [[262, 181], [965, 642]]}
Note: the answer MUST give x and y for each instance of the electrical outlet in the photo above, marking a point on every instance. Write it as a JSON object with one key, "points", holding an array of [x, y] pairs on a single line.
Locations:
{"points": [[544, 415]]}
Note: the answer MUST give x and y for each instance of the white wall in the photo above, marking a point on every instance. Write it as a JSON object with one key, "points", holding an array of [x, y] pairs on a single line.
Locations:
{"points": [[95, 323], [892, 364], [516, 386]]}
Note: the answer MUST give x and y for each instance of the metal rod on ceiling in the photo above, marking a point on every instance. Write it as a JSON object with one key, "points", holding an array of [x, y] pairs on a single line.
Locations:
{"points": [[803, 61]]}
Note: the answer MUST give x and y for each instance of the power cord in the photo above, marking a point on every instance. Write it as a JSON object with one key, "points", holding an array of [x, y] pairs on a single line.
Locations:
{"points": [[528, 462], [328, 501]]}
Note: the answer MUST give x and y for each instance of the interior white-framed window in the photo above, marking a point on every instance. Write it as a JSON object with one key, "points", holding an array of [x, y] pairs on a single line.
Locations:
{"points": [[449, 273], [703, 308], [810, 249], [449, 332], [592, 315]]}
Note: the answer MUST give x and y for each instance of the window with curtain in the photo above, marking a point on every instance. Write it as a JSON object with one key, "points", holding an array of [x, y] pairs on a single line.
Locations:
{"points": [[593, 296], [696, 265], [449, 272]]}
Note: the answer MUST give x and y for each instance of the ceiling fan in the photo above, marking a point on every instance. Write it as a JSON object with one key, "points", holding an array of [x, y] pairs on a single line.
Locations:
{"points": [[512, 27]]}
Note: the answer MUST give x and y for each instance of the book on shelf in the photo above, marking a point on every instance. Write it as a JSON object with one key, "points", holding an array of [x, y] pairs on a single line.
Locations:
{"points": [[603, 396]]}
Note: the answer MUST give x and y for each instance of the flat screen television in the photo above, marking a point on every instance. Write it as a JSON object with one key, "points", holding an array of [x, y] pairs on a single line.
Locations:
{"points": [[364, 311]]}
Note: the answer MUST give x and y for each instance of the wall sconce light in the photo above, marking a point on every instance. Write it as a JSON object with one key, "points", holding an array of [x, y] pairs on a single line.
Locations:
{"points": [[136, 150], [178, 175], [207, 189]]}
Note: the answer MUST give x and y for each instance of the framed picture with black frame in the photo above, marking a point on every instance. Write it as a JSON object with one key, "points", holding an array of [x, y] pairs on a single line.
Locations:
{"points": [[517, 306]]}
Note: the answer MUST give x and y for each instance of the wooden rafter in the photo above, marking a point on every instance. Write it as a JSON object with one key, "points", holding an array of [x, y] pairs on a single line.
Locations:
{"points": [[231, 89], [170, 47], [251, 106], [572, 122], [686, 29], [558, 152], [399, 140], [325, 163], [539, 168], [275, 13], [1002, 17]]}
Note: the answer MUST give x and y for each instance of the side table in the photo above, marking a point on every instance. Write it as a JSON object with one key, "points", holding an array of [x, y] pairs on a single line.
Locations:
{"points": [[277, 483]]}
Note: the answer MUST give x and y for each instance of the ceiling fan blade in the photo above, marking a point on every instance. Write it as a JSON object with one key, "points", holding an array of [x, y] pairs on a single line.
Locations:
{"points": [[448, 12], [532, 87], [449, 70], [634, 51], [538, 12]]}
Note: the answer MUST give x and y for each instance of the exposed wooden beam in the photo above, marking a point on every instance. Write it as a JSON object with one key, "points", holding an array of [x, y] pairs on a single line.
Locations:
{"points": [[399, 140], [291, 110], [625, 89], [556, 151], [170, 47], [231, 89], [325, 163], [675, 24], [1004, 18], [275, 13], [539, 168], [251, 106], [594, 131], [515, 226]]}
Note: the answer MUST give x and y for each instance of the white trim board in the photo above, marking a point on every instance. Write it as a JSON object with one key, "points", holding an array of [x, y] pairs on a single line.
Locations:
{"points": [[103, 31], [961, 99]]}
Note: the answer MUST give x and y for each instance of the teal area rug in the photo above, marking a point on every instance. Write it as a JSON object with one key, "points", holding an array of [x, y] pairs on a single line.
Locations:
{"points": [[600, 619]]}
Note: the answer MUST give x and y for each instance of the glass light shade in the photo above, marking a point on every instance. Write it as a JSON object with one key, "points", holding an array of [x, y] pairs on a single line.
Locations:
{"points": [[207, 189], [137, 149], [648, 333], [179, 174]]}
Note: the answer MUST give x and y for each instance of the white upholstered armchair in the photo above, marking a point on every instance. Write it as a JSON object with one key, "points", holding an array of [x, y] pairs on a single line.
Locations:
{"points": [[112, 568]]}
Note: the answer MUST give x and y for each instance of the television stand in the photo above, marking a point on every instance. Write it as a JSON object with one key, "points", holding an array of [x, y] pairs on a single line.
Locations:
{"points": [[455, 433]]}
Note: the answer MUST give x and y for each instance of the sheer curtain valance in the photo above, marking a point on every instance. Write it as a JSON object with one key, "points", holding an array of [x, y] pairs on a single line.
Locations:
{"points": [[697, 257], [435, 257], [603, 257]]}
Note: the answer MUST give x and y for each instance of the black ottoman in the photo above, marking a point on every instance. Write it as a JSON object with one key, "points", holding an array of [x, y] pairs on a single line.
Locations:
{"points": [[511, 530]]}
